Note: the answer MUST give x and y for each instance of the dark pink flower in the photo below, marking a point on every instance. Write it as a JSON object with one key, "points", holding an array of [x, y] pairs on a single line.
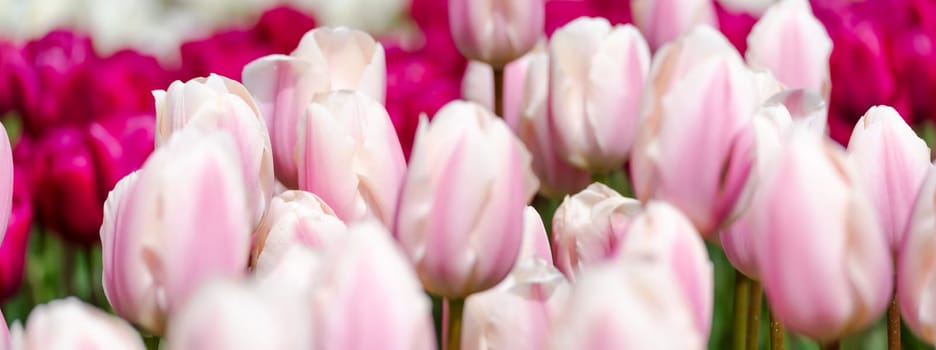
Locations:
{"points": [[123, 83], [224, 54], [281, 28]]}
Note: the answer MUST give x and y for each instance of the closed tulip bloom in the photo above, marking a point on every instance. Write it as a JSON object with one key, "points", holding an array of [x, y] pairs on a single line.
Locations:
{"points": [[597, 76], [662, 21], [588, 227], [294, 218], [180, 221], [519, 312], [789, 30], [350, 156], [662, 233], [327, 59], [460, 217], [69, 324], [916, 269], [698, 83], [496, 31], [219, 314], [626, 305], [893, 162], [217, 102], [817, 224], [369, 296]]}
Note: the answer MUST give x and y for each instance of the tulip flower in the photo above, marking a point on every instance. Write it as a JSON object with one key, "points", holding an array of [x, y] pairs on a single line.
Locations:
{"points": [[460, 214], [817, 224], [588, 227], [790, 30], [496, 31], [351, 305], [698, 83], [662, 233], [525, 105], [916, 267], [70, 323], [326, 59], [662, 21], [597, 74], [350, 156], [216, 102], [893, 162], [15, 242], [6, 178], [519, 312], [535, 239], [294, 217], [626, 305], [180, 221], [218, 314]]}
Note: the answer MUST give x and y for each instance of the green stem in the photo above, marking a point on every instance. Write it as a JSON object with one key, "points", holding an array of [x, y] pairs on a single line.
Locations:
{"points": [[151, 342], [741, 306], [67, 268], [832, 345], [893, 325], [754, 315], [776, 333], [456, 306], [499, 92]]}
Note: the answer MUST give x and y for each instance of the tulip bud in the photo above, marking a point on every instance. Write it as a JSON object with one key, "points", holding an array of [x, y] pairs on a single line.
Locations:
{"points": [[294, 217], [181, 221], [626, 305], [218, 314], [535, 239], [216, 102], [818, 225], [597, 75], [790, 42], [916, 267], [664, 234], [460, 214], [352, 305], [517, 313], [350, 156], [327, 59], [589, 226], [697, 83], [893, 162], [496, 31], [70, 324], [663, 21]]}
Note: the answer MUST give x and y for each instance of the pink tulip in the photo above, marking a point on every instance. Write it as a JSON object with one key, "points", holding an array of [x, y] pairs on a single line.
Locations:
{"points": [[460, 214], [526, 90], [15, 242], [817, 224], [369, 296], [697, 84], [893, 162], [588, 227], [519, 312], [294, 217], [69, 324], [180, 221], [664, 234], [6, 179], [350, 156], [789, 30], [226, 315], [217, 102], [597, 73], [496, 31], [535, 239], [663, 21], [626, 305], [916, 269], [327, 59]]}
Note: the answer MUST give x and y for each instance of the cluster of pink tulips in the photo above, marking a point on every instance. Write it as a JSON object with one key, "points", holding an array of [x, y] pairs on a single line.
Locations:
{"points": [[283, 213]]}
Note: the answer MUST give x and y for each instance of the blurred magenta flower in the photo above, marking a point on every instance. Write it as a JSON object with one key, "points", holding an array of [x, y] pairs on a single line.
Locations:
{"points": [[280, 28], [180, 221], [67, 323], [597, 74], [460, 214], [496, 32], [818, 224], [892, 162], [589, 227], [349, 155]]}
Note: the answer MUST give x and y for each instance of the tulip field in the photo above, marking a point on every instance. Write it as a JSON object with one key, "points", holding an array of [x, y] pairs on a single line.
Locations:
{"points": [[467, 174]]}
